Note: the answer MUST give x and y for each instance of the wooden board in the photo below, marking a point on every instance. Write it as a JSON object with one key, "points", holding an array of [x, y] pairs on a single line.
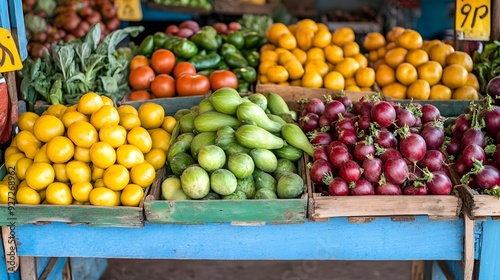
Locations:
{"points": [[275, 211], [118, 216], [237, 7], [448, 108], [478, 206], [171, 105], [178, 9], [436, 207]]}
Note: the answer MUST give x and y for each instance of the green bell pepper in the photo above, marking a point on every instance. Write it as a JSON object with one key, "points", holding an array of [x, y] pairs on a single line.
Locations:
{"points": [[236, 38], [219, 39], [159, 39], [205, 40], [209, 30], [251, 39], [147, 46], [206, 72], [222, 65], [185, 48], [252, 57], [228, 48], [235, 60], [170, 43], [243, 86], [203, 62], [246, 73]]}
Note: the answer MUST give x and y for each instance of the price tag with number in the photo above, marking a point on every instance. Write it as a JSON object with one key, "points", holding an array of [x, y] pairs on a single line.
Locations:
{"points": [[9, 56], [473, 20], [129, 10]]}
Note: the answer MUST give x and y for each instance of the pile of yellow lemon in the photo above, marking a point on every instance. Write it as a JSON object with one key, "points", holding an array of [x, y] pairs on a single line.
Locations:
{"points": [[307, 54], [87, 153], [409, 67]]}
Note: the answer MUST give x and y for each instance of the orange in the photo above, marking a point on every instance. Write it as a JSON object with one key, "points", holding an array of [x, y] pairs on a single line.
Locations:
{"points": [[277, 74], [429, 44], [365, 77], [96, 173], [454, 76], [56, 110], [342, 36], [116, 177], [142, 174], [352, 88], [264, 66], [430, 71], [115, 135], [350, 82], [73, 116], [129, 121], [27, 120], [296, 83], [390, 46], [300, 55], [385, 75], [394, 90], [460, 58], [373, 55], [81, 191], [21, 166], [151, 115], [465, 93], [275, 31], [127, 109], [304, 36], [307, 22], [347, 67], [156, 157], [106, 115], [410, 40], [285, 57], [60, 149], [89, 103], [39, 175], [102, 197], [334, 54], [27, 195], [11, 150], [322, 38], [269, 56], [169, 123], [82, 154], [137, 61], [379, 62], [381, 53], [439, 52], [160, 139], [374, 41], [284, 84], [107, 101], [263, 79], [417, 57], [102, 154], [361, 59], [406, 73], [334, 81], [41, 155], [6, 194], [287, 41], [295, 69], [11, 160], [315, 54], [78, 171], [472, 81], [72, 108], [281, 50], [131, 195], [315, 66], [82, 133], [59, 194], [60, 172], [312, 80], [27, 143], [394, 33], [47, 127], [140, 138], [351, 49], [266, 47], [129, 155], [420, 90], [99, 183], [395, 57], [440, 92]]}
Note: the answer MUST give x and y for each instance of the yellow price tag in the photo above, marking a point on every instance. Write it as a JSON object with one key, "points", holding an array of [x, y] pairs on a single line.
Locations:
{"points": [[9, 55], [473, 19], [129, 10]]}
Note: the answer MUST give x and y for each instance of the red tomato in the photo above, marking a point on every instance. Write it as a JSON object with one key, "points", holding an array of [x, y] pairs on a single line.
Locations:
{"points": [[139, 95], [223, 78], [163, 86], [192, 84], [163, 61], [141, 77], [183, 67]]}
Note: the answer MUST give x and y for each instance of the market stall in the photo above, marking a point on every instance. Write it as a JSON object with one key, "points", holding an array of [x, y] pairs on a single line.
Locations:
{"points": [[264, 136]]}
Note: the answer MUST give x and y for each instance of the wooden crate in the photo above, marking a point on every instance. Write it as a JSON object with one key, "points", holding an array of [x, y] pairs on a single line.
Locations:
{"points": [[237, 7], [273, 211], [117, 216], [301, 8], [448, 108], [479, 206], [171, 105], [178, 9], [366, 208]]}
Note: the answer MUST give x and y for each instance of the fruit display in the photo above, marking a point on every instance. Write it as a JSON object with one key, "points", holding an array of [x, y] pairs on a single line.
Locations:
{"points": [[229, 148], [409, 68], [307, 54], [73, 68], [51, 21], [474, 143], [88, 153], [203, 4], [208, 49], [374, 147]]}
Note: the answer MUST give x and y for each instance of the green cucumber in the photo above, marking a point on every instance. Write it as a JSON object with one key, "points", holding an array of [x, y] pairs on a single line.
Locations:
{"points": [[180, 162], [276, 118], [296, 137], [225, 136], [182, 144], [259, 99], [264, 180], [254, 137], [289, 152], [226, 100], [264, 160], [213, 120], [276, 104], [251, 113], [201, 140], [205, 106], [187, 122]]}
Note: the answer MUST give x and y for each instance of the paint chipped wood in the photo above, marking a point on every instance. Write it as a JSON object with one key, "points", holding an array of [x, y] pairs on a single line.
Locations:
{"points": [[478, 206]]}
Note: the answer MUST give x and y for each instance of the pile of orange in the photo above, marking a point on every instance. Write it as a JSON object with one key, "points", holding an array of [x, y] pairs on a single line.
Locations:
{"points": [[409, 67], [88, 153], [307, 54]]}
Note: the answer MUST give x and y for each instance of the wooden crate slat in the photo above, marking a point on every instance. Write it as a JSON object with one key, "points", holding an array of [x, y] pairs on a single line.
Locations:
{"points": [[478, 206]]}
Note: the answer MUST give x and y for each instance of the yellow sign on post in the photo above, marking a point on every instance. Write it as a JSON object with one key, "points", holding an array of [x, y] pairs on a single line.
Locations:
{"points": [[473, 20], [9, 55], [129, 10]]}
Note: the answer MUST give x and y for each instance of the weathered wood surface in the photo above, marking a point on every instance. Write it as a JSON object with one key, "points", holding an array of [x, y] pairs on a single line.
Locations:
{"points": [[171, 105], [478, 206]]}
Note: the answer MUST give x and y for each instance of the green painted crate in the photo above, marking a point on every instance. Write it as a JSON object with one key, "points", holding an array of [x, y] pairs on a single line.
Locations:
{"points": [[274, 211]]}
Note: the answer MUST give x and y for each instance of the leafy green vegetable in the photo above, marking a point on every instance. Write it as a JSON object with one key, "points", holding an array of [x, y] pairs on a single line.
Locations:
{"points": [[35, 23], [47, 6], [74, 68], [487, 64]]}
